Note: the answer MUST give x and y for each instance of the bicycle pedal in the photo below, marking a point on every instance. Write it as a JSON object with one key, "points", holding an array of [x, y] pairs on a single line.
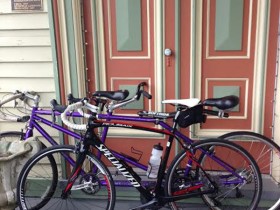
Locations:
{"points": [[150, 203]]}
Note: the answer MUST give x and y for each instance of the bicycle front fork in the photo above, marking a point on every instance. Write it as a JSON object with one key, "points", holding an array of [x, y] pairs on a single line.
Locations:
{"points": [[81, 156]]}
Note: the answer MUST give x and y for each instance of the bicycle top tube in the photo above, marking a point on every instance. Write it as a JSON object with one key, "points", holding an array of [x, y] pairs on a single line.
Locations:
{"points": [[51, 112], [36, 117]]}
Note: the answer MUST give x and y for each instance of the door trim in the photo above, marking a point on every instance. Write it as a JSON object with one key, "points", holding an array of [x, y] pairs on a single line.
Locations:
{"points": [[99, 54], [260, 66]]}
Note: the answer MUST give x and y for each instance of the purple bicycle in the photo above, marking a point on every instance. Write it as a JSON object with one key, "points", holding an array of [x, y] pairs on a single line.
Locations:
{"points": [[73, 177]]}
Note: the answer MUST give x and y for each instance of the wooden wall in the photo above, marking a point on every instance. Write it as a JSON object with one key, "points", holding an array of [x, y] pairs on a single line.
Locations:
{"points": [[25, 55]]}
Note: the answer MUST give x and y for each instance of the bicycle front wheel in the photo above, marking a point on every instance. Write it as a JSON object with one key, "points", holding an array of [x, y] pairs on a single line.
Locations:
{"points": [[221, 172], [38, 188], [267, 155]]}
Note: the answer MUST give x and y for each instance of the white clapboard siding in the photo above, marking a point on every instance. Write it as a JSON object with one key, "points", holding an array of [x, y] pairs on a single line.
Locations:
{"points": [[25, 54], [18, 83], [5, 6], [24, 41], [25, 33], [24, 21], [26, 61], [27, 69]]}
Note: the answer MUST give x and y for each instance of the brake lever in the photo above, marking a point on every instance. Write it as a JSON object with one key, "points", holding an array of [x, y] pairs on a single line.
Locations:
{"points": [[146, 94], [71, 99], [139, 92], [142, 84]]}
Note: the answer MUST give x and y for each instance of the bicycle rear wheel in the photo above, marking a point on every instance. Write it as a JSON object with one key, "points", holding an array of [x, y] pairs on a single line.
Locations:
{"points": [[267, 155], [38, 188], [11, 136], [223, 173]]}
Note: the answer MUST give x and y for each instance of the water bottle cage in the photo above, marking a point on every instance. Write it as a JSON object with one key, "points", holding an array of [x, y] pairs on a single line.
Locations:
{"points": [[152, 170]]}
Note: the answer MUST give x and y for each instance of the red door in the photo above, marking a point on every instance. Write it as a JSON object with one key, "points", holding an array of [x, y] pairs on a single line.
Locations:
{"points": [[231, 58], [217, 48], [228, 59]]}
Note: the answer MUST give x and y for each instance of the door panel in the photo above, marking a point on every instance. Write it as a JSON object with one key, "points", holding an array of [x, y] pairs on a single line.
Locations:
{"points": [[129, 48], [228, 64]]}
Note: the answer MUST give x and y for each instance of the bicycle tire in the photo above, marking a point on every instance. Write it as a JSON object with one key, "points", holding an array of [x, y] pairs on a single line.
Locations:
{"points": [[264, 151], [11, 135], [201, 178], [93, 190]]}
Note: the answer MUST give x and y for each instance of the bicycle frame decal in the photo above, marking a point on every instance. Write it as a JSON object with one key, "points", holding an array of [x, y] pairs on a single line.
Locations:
{"points": [[117, 125], [106, 152], [121, 124]]}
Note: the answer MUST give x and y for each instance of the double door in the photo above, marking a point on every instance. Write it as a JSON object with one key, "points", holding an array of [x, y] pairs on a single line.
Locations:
{"points": [[184, 49]]}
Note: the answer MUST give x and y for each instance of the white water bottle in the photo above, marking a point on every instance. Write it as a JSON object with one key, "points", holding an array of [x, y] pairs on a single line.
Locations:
{"points": [[154, 162]]}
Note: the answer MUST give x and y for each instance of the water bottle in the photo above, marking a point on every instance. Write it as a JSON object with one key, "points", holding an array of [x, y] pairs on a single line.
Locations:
{"points": [[154, 161]]}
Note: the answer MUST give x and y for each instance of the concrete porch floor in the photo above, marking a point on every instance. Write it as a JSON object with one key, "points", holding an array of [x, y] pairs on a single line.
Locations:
{"points": [[129, 197]]}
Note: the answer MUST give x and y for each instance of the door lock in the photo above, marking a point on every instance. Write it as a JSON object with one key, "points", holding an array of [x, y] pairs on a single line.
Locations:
{"points": [[167, 52]]}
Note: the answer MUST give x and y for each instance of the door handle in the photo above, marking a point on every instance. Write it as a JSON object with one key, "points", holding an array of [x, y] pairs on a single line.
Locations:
{"points": [[167, 52]]}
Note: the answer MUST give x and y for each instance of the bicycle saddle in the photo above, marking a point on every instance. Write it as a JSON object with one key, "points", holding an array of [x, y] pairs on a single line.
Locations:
{"points": [[118, 95], [223, 103], [191, 102]]}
